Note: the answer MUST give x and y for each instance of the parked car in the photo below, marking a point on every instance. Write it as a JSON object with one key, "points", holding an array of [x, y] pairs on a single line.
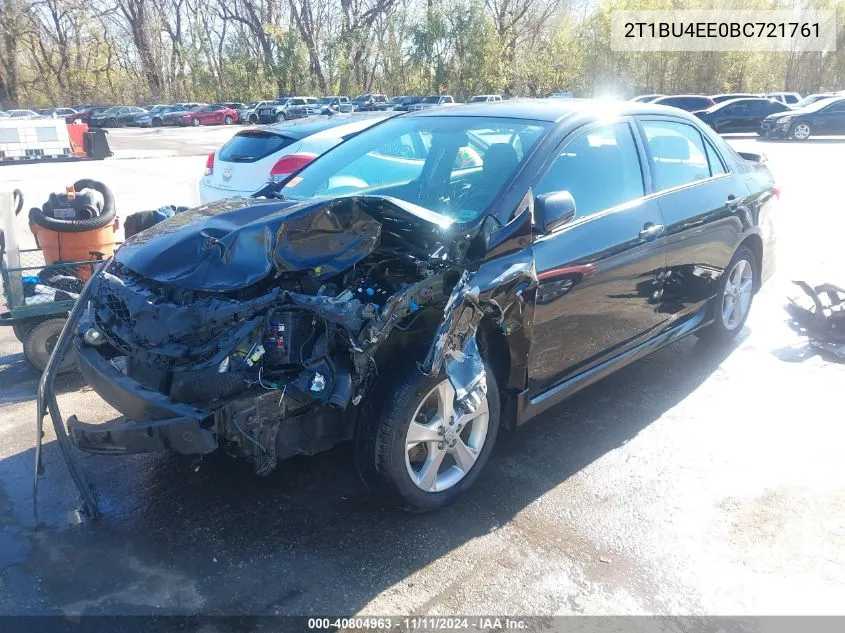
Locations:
{"points": [[116, 116], [646, 98], [369, 102], [253, 158], [177, 111], [327, 105], [485, 98], [209, 115], [789, 98], [282, 109], [566, 94], [23, 114], [389, 297], [729, 96], [235, 105], [690, 103], [155, 118], [4, 115], [153, 107], [59, 113], [822, 118], [84, 115], [740, 115], [248, 114], [433, 101], [809, 99], [403, 104]]}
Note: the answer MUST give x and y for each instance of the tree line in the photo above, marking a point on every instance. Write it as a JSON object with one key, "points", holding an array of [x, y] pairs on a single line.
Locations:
{"points": [[61, 52]]}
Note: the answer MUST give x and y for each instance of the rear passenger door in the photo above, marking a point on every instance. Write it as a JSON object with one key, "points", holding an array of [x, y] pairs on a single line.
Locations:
{"points": [[830, 120], [703, 206], [599, 275]]}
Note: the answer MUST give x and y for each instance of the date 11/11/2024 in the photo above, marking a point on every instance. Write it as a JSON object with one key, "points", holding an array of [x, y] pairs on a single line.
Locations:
{"points": [[421, 623]]}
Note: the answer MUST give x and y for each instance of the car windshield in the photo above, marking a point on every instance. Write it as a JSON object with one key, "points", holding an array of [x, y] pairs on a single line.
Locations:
{"points": [[810, 100], [398, 99], [327, 100], [431, 99], [478, 99], [112, 110], [362, 98], [821, 103], [455, 166]]}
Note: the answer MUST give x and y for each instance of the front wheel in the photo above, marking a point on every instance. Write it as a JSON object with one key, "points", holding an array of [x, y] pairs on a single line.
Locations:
{"points": [[426, 450], [253, 119], [281, 117], [156, 122], [112, 123], [733, 301], [195, 122], [800, 131], [228, 120]]}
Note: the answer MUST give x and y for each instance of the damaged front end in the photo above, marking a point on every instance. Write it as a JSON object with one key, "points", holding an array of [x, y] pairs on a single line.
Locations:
{"points": [[260, 329]]}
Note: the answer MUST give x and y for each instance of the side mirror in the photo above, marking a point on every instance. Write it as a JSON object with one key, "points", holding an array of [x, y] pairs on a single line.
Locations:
{"points": [[552, 210]]}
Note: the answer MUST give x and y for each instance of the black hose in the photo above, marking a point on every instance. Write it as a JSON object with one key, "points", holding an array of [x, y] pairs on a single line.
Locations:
{"points": [[106, 217], [17, 196]]}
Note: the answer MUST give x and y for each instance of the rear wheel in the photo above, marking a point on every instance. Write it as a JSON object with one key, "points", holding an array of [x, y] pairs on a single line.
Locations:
{"points": [[228, 120], [733, 301], [800, 131], [112, 122], [40, 342], [253, 118], [195, 122], [425, 450], [281, 117], [156, 122]]}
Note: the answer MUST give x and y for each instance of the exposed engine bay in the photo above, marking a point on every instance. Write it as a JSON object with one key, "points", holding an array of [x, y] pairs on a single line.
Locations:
{"points": [[272, 327]]}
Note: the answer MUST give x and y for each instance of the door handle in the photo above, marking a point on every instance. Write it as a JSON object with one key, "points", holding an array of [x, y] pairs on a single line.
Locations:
{"points": [[732, 202], [651, 231]]}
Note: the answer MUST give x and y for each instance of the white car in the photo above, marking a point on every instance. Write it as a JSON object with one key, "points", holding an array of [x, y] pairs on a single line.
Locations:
{"points": [[254, 157], [23, 114], [787, 98]]}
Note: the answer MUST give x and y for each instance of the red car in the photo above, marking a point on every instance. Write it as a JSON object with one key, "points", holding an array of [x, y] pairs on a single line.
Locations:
{"points": [[210, 115]]}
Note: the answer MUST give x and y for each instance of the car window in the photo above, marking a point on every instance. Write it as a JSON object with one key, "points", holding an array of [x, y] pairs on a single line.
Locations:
{"points": [[251, 146], [583, 165], [677, 152], [790, 98], [716, 165], [736, 109], [836, 107]]}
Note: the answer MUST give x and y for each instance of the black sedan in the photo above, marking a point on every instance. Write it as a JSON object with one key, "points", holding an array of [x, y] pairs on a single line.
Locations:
{"points": [[740, 115], [690, 103], [825, 117], [116, 116], [395, 293]]}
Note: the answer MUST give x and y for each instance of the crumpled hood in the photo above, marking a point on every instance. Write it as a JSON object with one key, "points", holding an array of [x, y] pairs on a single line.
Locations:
{"points": [[231, 244]]}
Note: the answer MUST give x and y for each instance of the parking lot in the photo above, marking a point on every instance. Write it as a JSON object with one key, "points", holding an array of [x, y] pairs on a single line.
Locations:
{"points": [[697, 481]]}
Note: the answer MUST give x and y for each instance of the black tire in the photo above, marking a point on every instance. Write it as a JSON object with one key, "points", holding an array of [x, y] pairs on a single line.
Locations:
{"points": [[228, 120], [39, 343], [156, 122], [718, 331], [253, 119], [281, 117], [21, 328], [195, 122], [382, 453], [797, 124], [111, 123]]}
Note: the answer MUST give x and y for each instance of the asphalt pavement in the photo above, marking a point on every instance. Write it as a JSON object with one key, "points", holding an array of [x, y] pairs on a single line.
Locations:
{"points": [[697, 481]]}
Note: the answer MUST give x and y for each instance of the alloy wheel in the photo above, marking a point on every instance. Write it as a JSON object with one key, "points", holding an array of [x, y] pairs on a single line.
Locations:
{"points": [[801, 131], [442, 444], [736, 298]]}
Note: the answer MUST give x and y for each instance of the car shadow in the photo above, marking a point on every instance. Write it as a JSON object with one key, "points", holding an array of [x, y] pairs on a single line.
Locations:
{"points": [[210, 537]]}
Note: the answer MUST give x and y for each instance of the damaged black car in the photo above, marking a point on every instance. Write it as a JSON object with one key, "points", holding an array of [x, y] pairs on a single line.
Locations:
{"points": [[439, 277]]}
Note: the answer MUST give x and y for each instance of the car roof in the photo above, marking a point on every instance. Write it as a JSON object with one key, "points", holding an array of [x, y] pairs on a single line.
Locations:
{"points": [[300, 128], [549, 109]]}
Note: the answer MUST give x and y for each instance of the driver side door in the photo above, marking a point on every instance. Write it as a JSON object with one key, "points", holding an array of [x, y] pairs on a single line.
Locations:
{"points": [[600, 275]]}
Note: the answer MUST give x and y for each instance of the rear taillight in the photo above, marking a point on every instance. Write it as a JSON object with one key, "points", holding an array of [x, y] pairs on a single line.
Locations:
{"points": [[209, 164], [776, 191], [286, 165]]}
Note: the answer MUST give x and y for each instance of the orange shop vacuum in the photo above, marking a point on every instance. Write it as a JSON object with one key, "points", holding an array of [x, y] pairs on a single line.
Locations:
{"points": [[76, 226]]}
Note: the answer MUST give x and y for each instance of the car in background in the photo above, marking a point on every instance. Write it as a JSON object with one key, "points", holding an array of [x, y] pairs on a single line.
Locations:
{"points": [[57, 113], [155, 118], [209, 115], [4, 115], [85, 113], [789, 98], [252, 158], [116, 116], [646, 98], [23, 114], [740, 115], [729, 96], [484, 98], [370, 102], [689, 103], [330, 105], [432, 101], [564, 94], [282, 109], [404, 103], [153, 106], [235, 105], [174, 115], [248, 113], [825, 117], [810, 99]]}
